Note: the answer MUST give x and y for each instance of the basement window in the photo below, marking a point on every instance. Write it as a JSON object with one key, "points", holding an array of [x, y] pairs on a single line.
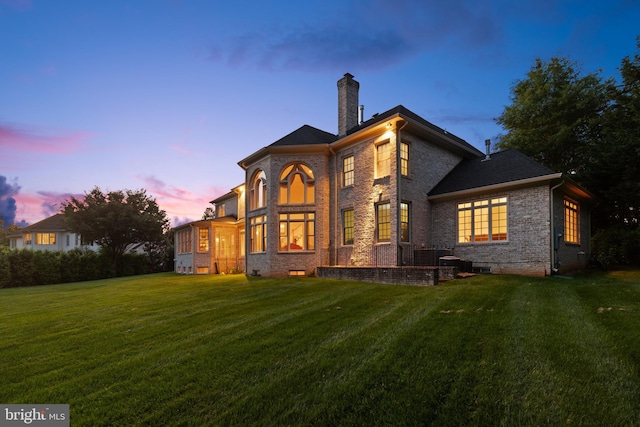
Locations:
{"points": [[297, 273]]}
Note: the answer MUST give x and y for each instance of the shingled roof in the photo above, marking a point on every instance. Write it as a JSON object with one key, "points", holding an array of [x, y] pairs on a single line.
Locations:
{"points": [[501, 168], [305, 135], [53, 223]]}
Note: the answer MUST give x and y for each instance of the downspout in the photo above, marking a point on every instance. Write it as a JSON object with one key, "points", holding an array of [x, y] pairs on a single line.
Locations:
{"points": [[553, 246], [334, 228]]}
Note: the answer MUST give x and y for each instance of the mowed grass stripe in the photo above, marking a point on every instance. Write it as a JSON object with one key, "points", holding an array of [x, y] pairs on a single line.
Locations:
{"points": [[224, 350]]}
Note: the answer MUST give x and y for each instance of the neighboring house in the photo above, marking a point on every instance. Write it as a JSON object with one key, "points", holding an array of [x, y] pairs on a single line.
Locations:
{"points": [[50, 234], [215, 245], [385, 190]]}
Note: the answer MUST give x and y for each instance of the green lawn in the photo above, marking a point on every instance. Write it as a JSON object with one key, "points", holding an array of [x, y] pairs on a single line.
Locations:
{"points": [[168, 350]]}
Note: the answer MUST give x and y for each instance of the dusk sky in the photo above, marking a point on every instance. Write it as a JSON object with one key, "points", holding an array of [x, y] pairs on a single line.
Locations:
{"points": [[168, 95]]}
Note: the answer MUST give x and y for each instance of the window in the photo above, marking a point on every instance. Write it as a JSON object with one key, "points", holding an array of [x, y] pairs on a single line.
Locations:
{"points": [[242, 243], [45, 238], [258, 234], [221, 210], [347, 227], [347, 171], [383, 222], [383, 160], [28, 239], [296, 185], [184, 241], [258, 191], [482, 221], [203, 240], [571, 222], [404, 159], [404, 222], [297, 232]]}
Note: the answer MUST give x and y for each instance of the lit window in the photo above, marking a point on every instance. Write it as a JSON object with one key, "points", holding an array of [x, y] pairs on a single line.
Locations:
{"points": [[297, 232], [404, 159], [383, 221], [571, 222], [258, 234], [347, 227], [221, 210], [404, 222], [28, 239], [203, 239], [383, 159], [258, 191], [482, 221], [347, 171], [242, 243], [45, 238], [296, 185]]}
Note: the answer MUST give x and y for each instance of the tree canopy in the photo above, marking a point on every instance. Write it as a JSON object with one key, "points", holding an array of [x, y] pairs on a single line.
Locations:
{"points": [[115, 220], [585, 127]]}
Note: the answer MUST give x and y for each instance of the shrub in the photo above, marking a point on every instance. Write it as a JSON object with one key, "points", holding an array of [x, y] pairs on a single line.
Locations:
{"points": [[616, 246]]}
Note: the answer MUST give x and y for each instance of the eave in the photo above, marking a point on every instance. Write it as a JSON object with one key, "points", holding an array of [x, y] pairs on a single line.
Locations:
{"points": [[510, 185]]}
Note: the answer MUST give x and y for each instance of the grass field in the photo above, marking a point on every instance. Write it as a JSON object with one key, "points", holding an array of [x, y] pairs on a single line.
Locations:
{"points": [[169, 350]]}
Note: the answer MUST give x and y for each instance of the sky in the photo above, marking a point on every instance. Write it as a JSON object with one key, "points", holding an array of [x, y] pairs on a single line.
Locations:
{"points": [[168, 95]]}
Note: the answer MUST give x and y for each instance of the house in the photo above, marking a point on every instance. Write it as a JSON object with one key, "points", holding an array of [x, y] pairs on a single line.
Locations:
{"points": [[383, 191], [50, 234], [213, 246]]}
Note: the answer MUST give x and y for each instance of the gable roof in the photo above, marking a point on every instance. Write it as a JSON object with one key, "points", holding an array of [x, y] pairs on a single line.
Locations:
{"points": [[419, 125], [509, 166], [305, 135], [53, 223]]}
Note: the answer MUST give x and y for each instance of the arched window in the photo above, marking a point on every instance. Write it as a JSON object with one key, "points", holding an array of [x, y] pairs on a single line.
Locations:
{"points": [[258, 190], [296, 185]]}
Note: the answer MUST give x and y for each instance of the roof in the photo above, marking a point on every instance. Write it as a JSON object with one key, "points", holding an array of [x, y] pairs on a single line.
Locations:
{"points": [[305, 135], [405, 112], [55, 222], [509, 166]]}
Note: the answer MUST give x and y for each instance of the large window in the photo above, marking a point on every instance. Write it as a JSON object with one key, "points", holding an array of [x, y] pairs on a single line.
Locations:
{"points": [[203, 240], [347, 171], [404, 159], [347, 227], [404, 222], [45, 238], [258, 233], [383, 160], [482, 221], [296, 185], [297, 232], [28, 239], [571, 222], [258, 191], [383, 222]]}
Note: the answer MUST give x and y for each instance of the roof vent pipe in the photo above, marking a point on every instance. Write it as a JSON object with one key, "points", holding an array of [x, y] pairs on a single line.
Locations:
{"points": [[487, 143], [361, 115]]}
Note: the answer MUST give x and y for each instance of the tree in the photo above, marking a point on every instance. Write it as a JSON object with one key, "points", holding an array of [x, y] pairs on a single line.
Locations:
{"points": [[555, 116], [209, 213], [615, 169], [116, 219], [6, 231]]}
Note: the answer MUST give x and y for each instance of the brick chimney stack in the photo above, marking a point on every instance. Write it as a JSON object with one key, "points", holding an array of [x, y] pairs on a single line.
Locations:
{"points": [[347, 104]]}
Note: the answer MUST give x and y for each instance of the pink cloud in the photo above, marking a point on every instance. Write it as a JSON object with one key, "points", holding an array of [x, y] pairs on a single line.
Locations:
{"points": [[34, 207], [180, 149], [17, 139], [181, 204]]}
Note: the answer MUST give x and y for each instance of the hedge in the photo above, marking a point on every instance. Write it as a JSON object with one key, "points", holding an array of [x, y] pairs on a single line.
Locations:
{"points": [[24, 267]]}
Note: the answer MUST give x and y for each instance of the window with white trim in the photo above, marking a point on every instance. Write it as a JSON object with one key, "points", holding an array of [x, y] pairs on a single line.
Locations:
{"points": [[383, 160], [347, 171], [296, 185], [258, 229], [383, 222]]}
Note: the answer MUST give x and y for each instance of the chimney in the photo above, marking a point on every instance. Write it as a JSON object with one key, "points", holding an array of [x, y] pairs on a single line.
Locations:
{"points": [[347, 104], [361, 115]]}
